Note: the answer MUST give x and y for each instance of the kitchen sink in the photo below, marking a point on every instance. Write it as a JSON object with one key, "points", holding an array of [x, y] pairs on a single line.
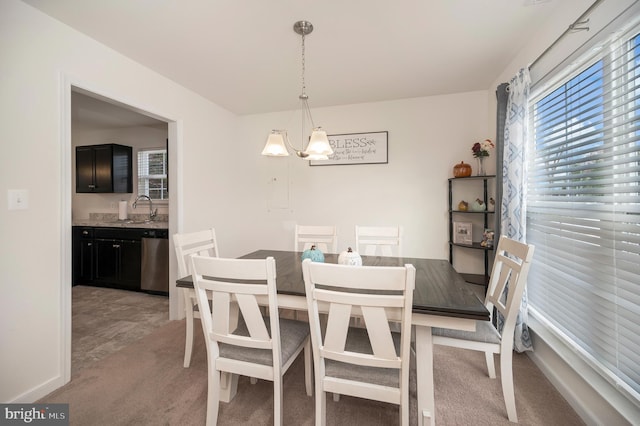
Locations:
{"points": [[133, 222]]}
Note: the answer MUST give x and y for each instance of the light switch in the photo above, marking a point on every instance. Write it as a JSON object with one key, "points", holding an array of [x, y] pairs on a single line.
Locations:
{"points": [[18, 199]]}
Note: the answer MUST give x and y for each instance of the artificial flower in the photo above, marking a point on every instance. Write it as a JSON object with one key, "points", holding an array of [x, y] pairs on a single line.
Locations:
{"points": [[481, 149]]}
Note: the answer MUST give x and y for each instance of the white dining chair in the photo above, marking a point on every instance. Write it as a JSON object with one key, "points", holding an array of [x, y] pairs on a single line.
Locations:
{"points": [[510, 268], [203, 243], [371, 362], [379, 240], [258, 347], [325, 238]]}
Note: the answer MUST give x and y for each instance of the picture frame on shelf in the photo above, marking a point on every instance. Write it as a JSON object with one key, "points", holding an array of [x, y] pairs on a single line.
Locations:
{"points": [[462, 233]]}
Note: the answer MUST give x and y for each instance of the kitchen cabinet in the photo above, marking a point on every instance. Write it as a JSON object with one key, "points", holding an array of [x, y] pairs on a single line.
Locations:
{"points": [[117, 263], [104, 168], [107, 257], [456, 214], [83, 254], [115, 257]]}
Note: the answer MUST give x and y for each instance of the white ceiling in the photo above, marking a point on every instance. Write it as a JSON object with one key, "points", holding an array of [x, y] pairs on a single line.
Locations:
{"points": [[89, 112], [244, 56]]}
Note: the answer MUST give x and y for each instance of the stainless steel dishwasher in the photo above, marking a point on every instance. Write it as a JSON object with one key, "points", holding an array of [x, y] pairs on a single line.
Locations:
{"points": [[155, 261]]}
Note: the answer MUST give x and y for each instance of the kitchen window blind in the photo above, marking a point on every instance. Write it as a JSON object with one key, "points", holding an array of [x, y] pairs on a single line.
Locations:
{"points": [[152, 173], [583, 210]]}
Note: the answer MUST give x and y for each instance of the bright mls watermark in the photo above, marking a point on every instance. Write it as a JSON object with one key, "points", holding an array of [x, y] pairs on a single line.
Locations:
{"points": [[34, 414]]}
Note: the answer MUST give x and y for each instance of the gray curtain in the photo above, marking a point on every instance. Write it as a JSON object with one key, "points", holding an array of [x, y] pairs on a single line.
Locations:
{"points": [[502, 95]]}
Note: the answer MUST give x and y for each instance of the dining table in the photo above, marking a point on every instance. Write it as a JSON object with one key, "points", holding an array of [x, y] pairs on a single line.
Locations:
{"points": [[441, 298]]}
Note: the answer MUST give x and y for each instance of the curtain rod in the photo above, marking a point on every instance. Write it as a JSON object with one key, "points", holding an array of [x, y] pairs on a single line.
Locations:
{"points": [[576, 26]]}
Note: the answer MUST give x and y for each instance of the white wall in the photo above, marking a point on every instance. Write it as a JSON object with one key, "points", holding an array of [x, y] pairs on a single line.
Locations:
{"points": [[40, 57], [427, 137]]}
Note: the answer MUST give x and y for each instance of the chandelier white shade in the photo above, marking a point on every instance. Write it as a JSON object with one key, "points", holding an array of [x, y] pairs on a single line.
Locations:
{"points": [[318, 147], [275, 146]]}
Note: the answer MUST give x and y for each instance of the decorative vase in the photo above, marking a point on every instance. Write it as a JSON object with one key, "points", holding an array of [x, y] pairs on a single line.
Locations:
{"points": [[481, 171]]}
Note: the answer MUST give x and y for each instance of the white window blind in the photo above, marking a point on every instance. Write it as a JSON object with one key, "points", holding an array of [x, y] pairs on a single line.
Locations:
{"points": [[152, 173], [583, 210]]}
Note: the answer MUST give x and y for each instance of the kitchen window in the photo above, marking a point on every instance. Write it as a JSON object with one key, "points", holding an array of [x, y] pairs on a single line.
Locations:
{"points": [[152, 173], [583, 210]]}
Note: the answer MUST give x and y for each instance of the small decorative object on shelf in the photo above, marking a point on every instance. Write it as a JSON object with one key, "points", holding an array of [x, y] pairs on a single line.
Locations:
{"points": [[492, 205], [314, 254], [478, 205], [480, 152], [350, 257], [462, 170], [487, 238], [463, 206], [462, 233]]}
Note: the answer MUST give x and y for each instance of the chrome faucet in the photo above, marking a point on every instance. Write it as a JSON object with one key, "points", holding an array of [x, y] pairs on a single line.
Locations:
{"points": [[152, 213]]}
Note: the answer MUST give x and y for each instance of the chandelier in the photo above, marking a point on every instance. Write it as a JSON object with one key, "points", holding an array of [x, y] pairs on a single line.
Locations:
{"points": [[318, 147]]}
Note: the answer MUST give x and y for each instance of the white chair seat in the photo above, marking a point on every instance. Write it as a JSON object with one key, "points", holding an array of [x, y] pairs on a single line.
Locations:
{"points": [[358, 341], [292, 335]]}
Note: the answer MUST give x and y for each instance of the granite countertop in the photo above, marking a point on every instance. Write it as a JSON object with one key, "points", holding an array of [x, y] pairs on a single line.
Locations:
{"points": [[134, 221]]}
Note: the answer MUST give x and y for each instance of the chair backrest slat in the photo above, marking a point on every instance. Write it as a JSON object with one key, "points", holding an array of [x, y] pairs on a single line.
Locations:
{"points": [[325, 238], [237, 282], [373, 239], [379, 294], [202, 243], [510, 269]]}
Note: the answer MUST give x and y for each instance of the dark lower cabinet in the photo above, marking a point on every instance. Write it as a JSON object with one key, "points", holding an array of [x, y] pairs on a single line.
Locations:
{"points": [[83, 255], [117, 263], [107, 257]]}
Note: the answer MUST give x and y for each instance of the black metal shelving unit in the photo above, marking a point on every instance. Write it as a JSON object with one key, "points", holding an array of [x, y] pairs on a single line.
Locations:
{"points": [[480, 279]]}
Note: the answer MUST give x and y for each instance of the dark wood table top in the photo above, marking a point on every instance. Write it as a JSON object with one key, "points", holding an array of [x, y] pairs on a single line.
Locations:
{"points": [[440, 290]]}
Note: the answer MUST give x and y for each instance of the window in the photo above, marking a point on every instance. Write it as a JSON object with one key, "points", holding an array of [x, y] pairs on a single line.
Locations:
{"points": [[152, 173], [583, 211]]}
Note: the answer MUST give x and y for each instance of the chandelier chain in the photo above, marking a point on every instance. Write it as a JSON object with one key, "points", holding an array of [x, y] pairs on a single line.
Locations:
{"points": [[303, 66]]}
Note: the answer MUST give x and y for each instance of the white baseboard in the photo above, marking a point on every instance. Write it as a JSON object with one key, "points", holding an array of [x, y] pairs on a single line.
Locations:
{"points": [[40, 391], [595, 400]]}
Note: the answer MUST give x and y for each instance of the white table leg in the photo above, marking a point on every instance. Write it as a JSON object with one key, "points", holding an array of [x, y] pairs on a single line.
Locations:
{"points": [[424, 372]]}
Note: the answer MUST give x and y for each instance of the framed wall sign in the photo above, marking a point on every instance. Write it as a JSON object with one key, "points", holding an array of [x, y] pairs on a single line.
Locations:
{"points": [[357, 148], [462, 233]]}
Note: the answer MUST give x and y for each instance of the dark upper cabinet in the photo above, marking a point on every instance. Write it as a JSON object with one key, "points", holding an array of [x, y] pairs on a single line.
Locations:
{"points": [[104, 168]]}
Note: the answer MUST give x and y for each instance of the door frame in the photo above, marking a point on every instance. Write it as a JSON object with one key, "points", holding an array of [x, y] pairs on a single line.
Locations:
{"points": [[174, 128]]}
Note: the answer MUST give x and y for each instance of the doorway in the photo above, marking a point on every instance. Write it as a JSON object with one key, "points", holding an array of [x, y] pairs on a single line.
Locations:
{"points": [[101, 119]]}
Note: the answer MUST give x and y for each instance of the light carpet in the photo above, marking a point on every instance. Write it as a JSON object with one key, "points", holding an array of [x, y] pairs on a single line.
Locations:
{"points": [[145, 384]]}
